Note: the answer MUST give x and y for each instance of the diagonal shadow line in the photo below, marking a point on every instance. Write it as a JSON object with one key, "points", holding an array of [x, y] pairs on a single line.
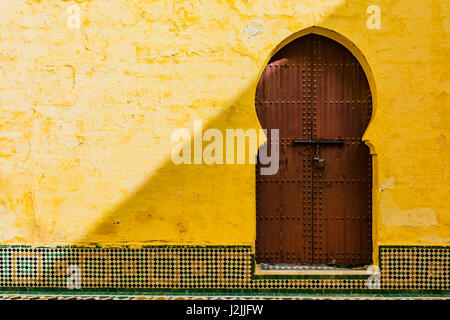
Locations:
{"points": [[170, 206]]}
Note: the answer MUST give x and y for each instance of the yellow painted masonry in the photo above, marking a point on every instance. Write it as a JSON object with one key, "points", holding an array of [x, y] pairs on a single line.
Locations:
{"points": [[86, 115]]}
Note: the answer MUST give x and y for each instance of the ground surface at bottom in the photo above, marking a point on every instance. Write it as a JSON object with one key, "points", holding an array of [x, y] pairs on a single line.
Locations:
{"points": [[19, 296]]}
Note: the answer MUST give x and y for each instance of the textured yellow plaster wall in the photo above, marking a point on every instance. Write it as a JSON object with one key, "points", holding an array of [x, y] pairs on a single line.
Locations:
{"points": [[86, 116]]}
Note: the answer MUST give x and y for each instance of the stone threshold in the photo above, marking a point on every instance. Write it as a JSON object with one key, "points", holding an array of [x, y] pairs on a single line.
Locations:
{"points": [[265, 269]]}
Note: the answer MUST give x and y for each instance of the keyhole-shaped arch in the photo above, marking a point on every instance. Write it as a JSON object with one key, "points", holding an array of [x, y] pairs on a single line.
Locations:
{"points": [[318, 207]]}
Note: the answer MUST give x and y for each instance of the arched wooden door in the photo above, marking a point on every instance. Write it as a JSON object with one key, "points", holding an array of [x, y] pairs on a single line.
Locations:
{"points": [[317, 208]]}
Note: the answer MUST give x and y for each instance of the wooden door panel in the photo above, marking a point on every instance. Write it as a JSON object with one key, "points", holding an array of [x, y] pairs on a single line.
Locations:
{"points": [[343, 110], [344, 230], [338, 157], [343, 94], [283, 201], [313, 89]]}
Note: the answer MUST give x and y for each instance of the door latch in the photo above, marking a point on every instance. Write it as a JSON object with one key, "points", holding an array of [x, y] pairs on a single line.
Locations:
{"points": [[318, 162]]}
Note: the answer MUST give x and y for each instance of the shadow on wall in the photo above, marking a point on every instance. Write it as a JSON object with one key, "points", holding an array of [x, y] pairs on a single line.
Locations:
{"points": [[195, 204], [184, 203]]}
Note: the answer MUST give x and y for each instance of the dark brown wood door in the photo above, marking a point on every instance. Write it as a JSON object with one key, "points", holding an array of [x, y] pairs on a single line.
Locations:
{"points": [[317, 208]]}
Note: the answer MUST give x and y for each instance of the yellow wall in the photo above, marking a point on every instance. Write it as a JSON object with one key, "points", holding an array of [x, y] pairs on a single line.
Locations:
{"points": [[86, 115]]}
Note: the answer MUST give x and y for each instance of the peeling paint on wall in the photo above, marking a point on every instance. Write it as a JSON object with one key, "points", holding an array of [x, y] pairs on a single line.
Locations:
{"points": [[418, 217], [254, 28]]}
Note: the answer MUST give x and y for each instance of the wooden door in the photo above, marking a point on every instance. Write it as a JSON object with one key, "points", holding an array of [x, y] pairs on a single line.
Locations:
{"points": [[317, 208]]}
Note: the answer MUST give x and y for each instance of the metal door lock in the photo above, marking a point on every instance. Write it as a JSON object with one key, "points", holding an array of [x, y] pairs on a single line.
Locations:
{"points": [[318, 162]]}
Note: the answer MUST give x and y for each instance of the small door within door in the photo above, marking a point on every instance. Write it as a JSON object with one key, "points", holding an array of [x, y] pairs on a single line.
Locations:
{"points": [[317, 208]]}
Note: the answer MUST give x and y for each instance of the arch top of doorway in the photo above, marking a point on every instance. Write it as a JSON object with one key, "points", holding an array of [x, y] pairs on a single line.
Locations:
{"points": [[349, 45]]}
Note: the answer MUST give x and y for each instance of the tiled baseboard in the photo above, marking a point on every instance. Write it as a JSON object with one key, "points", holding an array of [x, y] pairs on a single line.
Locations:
{"points": [[415, 268], [210, 269]]}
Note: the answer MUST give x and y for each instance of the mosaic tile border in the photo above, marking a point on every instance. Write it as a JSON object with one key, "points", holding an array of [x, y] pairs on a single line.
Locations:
{"points": [[415, 267], [210, 270]]}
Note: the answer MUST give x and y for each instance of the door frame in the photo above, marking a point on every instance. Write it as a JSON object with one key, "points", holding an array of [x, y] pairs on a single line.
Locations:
{"points": [[366, 138]]}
